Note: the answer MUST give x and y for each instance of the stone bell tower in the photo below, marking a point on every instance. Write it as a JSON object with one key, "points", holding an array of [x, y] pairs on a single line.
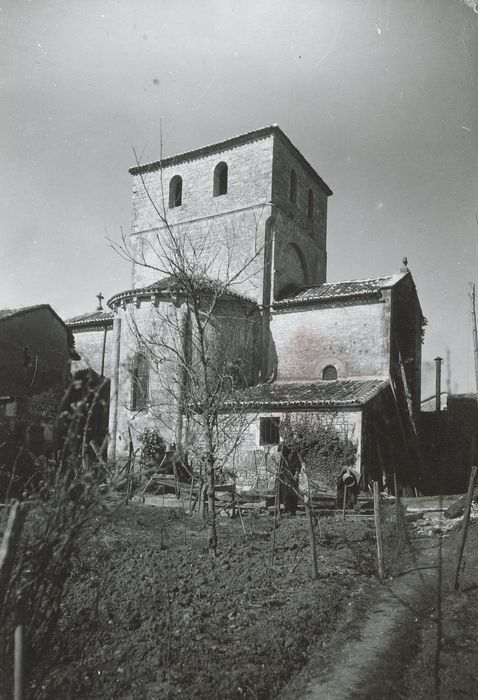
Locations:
{"points": [[250, 200]]}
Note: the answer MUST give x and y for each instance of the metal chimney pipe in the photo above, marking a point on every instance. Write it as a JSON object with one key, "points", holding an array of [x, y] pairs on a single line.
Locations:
{"points": [[438, 361]]}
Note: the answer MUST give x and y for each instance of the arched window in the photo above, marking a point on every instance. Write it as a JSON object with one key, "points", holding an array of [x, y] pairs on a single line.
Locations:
{"points": [[220, 179], [139, 382], [175, 191], [329, 372], [310, 206], [293, 186]]}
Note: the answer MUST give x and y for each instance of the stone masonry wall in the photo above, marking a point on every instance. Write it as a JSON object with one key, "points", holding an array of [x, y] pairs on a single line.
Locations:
{"points": [[232, 340], [89, 345], [255, 465], [216, 228], [292, 225], [145, 320], [35, 355], [355, 339]]}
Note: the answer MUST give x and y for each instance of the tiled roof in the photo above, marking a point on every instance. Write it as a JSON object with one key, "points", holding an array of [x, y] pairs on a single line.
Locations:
{"points": [[227, 144], [321, 393], [93, 318], [8, 313], [170, 285], [331, 291]]}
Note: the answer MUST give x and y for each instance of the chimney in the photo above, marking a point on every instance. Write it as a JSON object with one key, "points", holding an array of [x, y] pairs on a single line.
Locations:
{"points": [[438, 361]]}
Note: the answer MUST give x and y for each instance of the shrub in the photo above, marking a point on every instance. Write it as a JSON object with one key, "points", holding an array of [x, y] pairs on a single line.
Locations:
{"points": [[323, 448], [153, 448], [69, 503]]}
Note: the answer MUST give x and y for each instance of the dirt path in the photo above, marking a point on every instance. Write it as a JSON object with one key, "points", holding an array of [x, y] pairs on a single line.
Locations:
{"points": [[400, 650]]}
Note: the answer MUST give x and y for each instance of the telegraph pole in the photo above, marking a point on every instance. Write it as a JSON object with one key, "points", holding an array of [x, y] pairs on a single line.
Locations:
{"points": [[475, 335]]}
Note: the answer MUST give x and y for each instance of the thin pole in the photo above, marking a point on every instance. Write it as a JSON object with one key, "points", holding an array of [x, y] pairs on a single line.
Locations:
{"points": [[18, 661], [378, 529], [276, 511], [475, 334], [397, 502], [242, 520], [438, 361], [313, 551], [103, 352], [9, 543], [114, 388], [345, 502], [466, 522], [191, 494]]}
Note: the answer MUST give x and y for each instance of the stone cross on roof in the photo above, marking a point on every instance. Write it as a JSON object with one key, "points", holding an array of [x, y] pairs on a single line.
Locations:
{"points": [[100, 298]]}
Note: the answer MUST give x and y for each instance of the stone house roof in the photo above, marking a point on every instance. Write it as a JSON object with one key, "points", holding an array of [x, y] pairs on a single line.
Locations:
{"points": [[7, 314], [233, 142], [100, 319], [170, 285], [36, 346], [340, 291], [329, 394]]}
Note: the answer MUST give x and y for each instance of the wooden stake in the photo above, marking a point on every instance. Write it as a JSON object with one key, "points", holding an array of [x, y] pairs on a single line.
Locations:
{"points": [[18, 669], [242, 519], [276, 512], [466, 522], [9, 544], [313, 551], [397, 502], [191, 494], [474, 331], [378, 530], [344, 505]]}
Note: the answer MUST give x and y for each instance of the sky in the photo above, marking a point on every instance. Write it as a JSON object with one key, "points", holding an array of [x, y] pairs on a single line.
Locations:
{"points": [[381, 96]]}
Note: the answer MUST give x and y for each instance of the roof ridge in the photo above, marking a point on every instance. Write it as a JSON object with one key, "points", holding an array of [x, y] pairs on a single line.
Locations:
{"points": [[8, 313], [340, 289], [94, 318], [221, 145], [155, 287], [29, 309], [345, 391], [364, 279], [182, 154]]}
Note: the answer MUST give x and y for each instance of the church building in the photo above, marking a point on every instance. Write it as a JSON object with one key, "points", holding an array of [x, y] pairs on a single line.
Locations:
{"points": [[252, 211]]}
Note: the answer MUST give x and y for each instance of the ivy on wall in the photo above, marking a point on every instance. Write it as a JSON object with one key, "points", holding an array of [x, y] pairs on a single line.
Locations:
{"points": [[323, 447]]}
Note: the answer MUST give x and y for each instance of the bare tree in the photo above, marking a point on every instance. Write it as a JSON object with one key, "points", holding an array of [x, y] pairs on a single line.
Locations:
{"points": [[202, 343]]}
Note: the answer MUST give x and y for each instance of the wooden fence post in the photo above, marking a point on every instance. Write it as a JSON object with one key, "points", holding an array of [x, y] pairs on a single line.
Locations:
{"points": [[18, 661], [9, 544], [344, 504], [378, 529], [313, 551], [466, 522], [397, 505]]}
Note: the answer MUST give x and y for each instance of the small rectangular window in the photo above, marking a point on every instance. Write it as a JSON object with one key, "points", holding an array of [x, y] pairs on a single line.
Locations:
{"points": [[269, 431]]}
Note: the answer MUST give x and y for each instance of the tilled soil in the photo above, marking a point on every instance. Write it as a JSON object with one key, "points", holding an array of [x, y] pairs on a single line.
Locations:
{"points": [[415, 638], [444, 666], [149, 614]]}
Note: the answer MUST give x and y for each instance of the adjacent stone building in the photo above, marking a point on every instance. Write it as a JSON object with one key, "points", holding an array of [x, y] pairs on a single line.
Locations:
{"points": [[93, 339], [36, 352], [252, 211], [351, 351]]}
